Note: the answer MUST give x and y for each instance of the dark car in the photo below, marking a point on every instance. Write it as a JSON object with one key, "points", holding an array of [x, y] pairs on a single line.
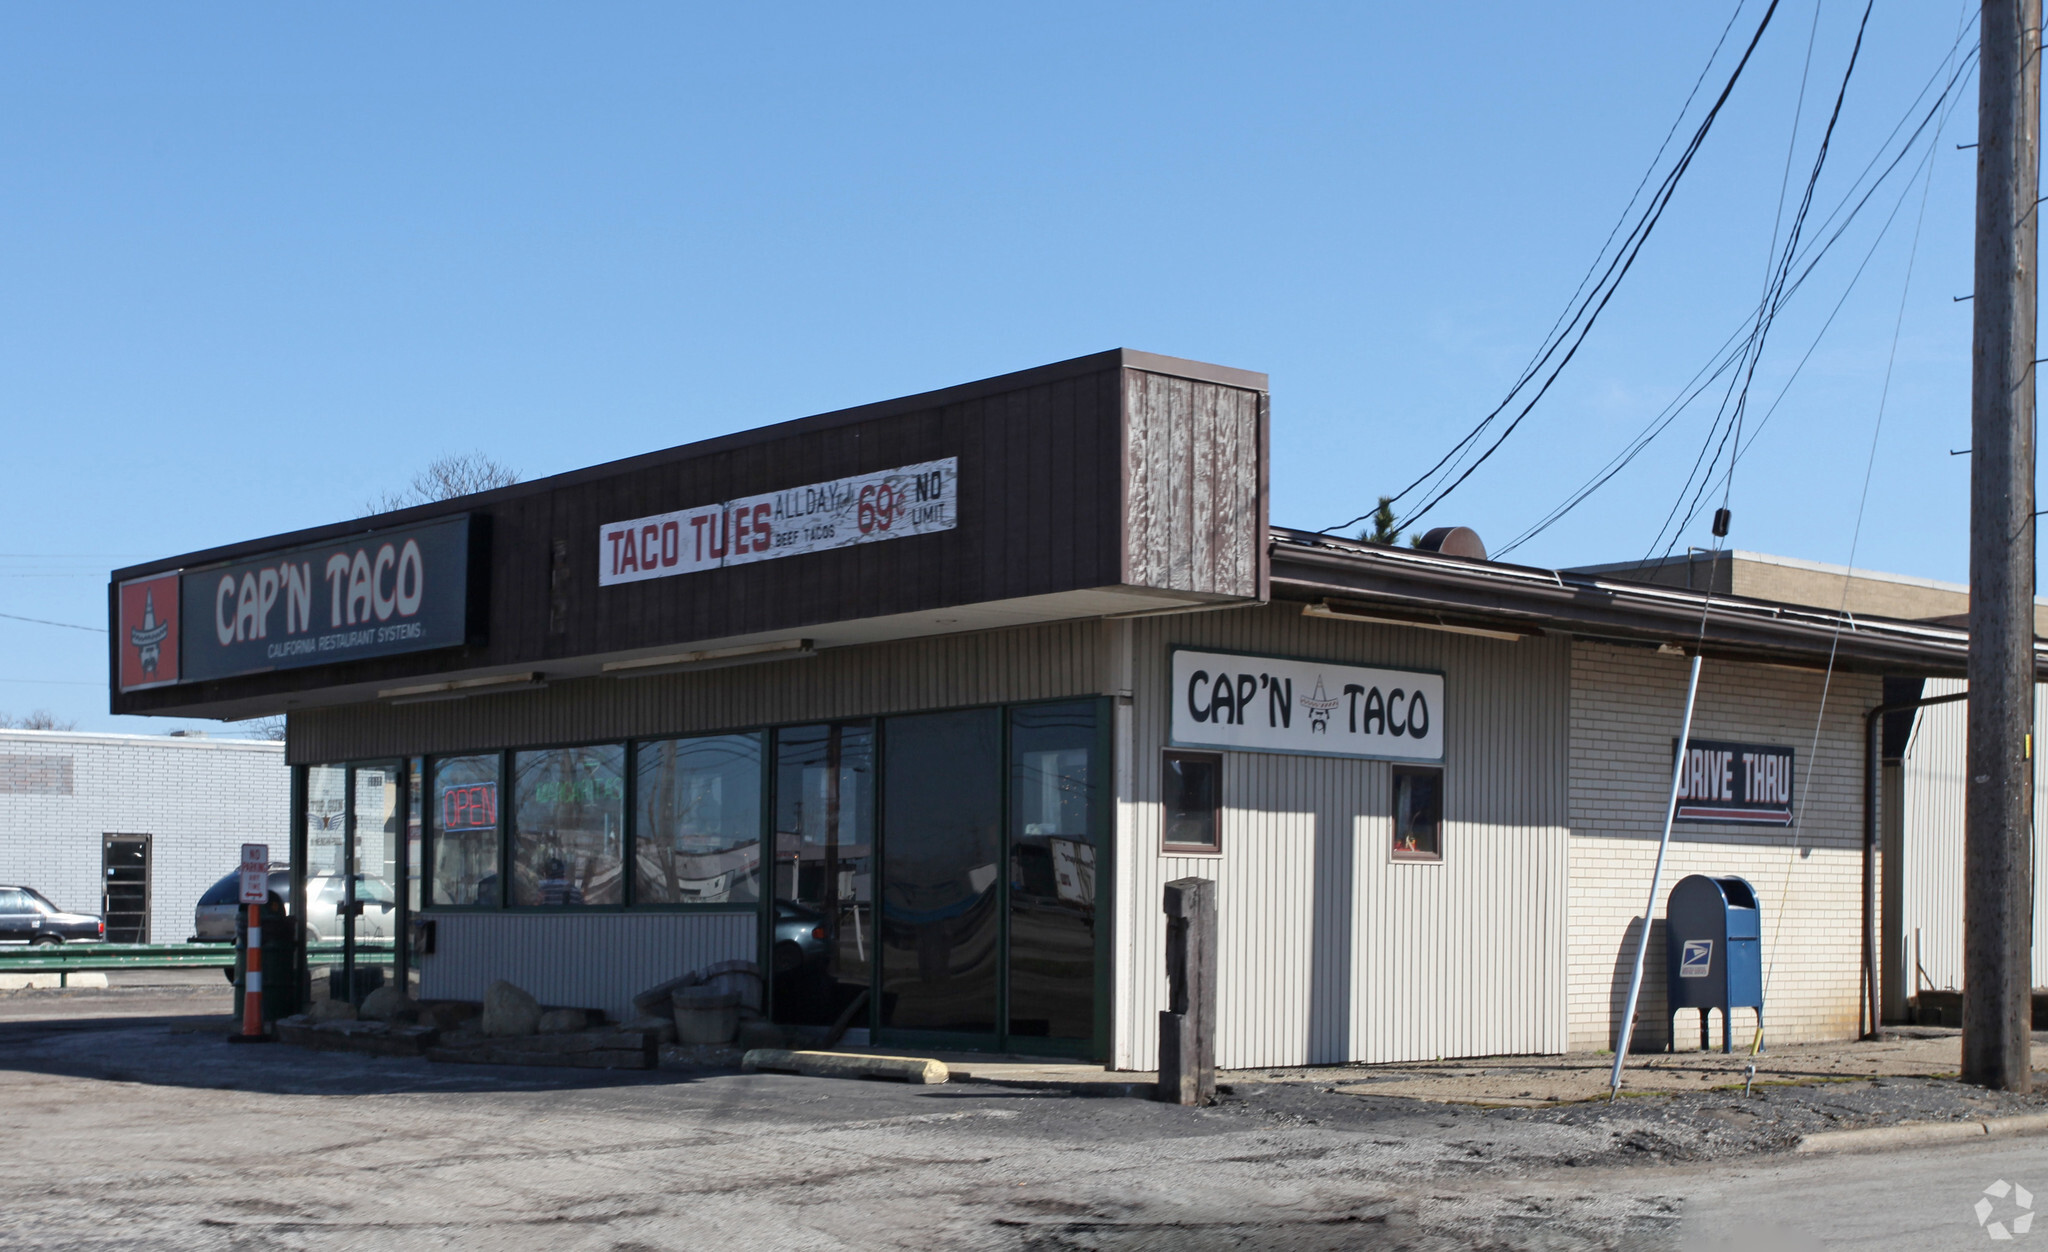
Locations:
{"points": [[27, 916]]}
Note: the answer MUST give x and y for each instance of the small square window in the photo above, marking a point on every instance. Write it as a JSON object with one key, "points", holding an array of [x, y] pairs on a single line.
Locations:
{"points": [[1418, 813], [1191, 793]]}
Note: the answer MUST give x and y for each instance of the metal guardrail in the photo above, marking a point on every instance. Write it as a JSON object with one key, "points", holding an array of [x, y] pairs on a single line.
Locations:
{"points": [[72, 957]]}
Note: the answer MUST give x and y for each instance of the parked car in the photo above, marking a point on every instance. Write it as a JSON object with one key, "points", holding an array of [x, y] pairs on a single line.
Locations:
{"points": [[213, 919], [27, 916]]}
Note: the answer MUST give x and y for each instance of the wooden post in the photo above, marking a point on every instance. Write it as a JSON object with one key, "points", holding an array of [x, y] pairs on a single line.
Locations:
{"points": [[1998, 817], [1187, 1029]]}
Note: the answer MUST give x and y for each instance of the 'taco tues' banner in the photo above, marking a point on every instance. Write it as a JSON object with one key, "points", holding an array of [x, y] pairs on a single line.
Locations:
{"points": [[866, 508]]}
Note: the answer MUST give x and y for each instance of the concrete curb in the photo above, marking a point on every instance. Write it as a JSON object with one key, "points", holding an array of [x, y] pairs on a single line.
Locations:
{"points": [[1910, 1134], [1106, 1090], [915, 1069]]}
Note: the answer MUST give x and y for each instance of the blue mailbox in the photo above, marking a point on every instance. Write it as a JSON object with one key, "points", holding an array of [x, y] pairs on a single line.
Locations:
{"points": [[1712, 953]]}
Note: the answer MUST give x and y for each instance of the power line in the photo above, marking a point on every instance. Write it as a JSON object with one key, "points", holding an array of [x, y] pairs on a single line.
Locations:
{"points": [[1840, 219], [1618, 270], [1582, 309], [40, 621]]}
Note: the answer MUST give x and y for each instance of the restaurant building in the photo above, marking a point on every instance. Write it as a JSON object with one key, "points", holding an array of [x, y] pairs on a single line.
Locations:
{"points": [[927, 699]]}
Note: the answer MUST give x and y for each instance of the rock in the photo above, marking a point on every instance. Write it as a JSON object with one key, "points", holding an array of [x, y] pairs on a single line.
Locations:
{"points": [[450, 1014], [662, 1028], [588, 1049], [509, 1012], [706, 1015], [561, 1022], [332, 1011], [389, 1004], [656, 998]]}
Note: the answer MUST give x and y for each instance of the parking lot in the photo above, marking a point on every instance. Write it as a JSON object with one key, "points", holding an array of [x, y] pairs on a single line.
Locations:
{"points": [[135, 1125]]}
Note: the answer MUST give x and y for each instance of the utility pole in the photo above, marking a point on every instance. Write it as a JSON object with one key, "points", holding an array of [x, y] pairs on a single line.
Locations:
{"points": [[1998, 818]]}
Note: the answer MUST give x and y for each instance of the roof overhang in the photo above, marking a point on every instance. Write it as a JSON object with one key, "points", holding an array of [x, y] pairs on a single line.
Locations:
{"points": [[1428, 589]]}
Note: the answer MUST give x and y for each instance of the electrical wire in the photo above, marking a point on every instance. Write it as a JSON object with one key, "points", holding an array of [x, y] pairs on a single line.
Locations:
{"points": [[40, 621], [1773, 298], [1586, 312], [1831, 231]]}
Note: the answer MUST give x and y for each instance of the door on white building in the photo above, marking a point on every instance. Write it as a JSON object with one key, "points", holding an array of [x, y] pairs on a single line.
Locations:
{"points": [[124, 864]]}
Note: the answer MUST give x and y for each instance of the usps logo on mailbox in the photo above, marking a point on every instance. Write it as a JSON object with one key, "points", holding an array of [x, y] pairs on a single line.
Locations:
{"points": [[1697, 958]]}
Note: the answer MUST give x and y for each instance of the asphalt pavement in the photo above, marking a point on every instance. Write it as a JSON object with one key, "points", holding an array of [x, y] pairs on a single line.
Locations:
{"points": [[139, 1130]]}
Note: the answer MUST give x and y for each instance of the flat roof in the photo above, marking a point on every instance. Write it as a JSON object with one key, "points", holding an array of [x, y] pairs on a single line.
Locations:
{"points": [[1786, 562]]}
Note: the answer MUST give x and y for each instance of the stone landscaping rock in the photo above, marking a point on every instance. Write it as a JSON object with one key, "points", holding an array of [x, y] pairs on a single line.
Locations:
{"points": [[699, 1056], [450, 1014], [389, 1004], [587, 1049], [656, 998], [332, 1011], [509, 1012], [561, 1022], [662, 1028]]}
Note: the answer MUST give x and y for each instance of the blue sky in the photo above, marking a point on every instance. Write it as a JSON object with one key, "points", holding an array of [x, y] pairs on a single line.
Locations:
{"points": [[261, 264]]}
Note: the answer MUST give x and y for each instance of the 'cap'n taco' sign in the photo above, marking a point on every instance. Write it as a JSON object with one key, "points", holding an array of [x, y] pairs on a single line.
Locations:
{"points": [[1277, 704]]}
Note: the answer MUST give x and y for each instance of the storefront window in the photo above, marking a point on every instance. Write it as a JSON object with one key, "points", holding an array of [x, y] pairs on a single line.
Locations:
{"points": [[568, 826], [463, 830], [1054, 787], [698, 840], [1418, 813]]}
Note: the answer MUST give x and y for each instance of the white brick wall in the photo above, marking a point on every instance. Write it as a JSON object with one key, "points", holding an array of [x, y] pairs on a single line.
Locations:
{"points": [[1626, 705], [198, 799]]}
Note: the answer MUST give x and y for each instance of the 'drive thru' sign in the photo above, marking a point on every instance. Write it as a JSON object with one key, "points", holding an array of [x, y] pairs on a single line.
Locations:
{"points": [[1278, 704], [1747, 784], [866, 508]]}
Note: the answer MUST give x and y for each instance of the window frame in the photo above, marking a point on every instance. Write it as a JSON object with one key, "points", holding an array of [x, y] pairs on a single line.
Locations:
{"points": [[1168, 848], [764, 821], [1403, 855]]}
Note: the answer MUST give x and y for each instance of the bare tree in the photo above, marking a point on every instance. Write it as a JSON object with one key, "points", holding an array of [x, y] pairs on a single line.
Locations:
{"points": [[446, 477], [39, 719], [271, 728]]}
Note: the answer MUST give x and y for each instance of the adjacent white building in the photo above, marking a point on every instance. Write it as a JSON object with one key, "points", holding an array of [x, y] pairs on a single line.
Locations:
{"points": [[135, 827]]}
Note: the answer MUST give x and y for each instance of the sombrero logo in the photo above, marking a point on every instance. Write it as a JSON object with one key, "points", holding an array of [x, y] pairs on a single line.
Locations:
{"points": [[148, 638], [149, 632]]}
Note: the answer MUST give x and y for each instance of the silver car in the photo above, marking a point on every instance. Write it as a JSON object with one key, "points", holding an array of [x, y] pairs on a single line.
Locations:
{"points": [[213, 920]]}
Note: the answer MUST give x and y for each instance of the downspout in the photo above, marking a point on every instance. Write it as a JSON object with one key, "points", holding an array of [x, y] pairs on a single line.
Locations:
{"points": [[1873, 783]]}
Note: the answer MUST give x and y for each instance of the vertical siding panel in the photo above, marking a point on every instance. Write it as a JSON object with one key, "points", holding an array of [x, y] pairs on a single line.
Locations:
{"points": [[1934, 786], [1450, 959]]}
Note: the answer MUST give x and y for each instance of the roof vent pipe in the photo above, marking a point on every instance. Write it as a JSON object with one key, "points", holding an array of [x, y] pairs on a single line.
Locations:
{"points": [[1454, 541]]}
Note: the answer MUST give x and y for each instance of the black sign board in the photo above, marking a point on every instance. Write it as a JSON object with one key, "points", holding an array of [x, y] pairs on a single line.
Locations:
{"points": [[374, 594], [1748, 784]]}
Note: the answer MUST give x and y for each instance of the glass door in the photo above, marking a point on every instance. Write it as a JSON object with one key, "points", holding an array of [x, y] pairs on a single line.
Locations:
{"points": [[822, 940], [325, 831], [942, 829], [1056, 829], [362, 899]]}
